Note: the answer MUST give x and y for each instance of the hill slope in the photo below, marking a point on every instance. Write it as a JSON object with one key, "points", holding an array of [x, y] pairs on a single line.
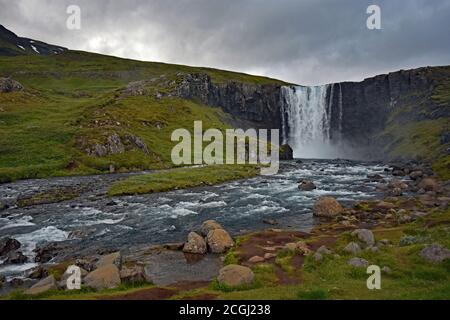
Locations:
{"points": [[85, 113]]}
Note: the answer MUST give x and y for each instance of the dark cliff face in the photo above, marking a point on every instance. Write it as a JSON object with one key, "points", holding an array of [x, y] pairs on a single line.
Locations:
{"points": [[251, 105], [371, 106], [367, 105]]}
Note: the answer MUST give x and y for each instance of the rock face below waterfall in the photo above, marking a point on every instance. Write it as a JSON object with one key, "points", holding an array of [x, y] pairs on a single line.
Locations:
{"points": [[257, 104]]}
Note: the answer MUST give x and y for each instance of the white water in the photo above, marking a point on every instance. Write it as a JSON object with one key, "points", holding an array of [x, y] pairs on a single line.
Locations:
{"points": [[306, 117]]}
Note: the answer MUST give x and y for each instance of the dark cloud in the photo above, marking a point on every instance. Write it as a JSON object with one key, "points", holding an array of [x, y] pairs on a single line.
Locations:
{"points": [[302, 41]]}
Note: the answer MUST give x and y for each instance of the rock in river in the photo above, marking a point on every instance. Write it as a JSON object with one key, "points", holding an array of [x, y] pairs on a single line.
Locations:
{"points": [[306, 185], [208, 226], [7, 245]]}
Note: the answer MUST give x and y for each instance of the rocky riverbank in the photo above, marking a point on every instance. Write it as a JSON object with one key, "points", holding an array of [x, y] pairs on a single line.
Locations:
{"points": [[211, 261]]}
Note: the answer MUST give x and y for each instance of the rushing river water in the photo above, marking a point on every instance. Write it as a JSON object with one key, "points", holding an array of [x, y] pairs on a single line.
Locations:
{"points": [[97, 221]]}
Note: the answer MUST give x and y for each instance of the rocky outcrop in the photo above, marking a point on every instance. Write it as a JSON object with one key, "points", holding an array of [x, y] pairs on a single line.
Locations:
{"points": [[286, 152], [114, 144], [327, 207], [367, 105], [8, 85], [258, 104], [435, 253], [43, 286], [7, 245]]}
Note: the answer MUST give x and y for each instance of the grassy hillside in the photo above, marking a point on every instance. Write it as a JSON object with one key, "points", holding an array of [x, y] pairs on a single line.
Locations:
{"points": [[73, 99]]}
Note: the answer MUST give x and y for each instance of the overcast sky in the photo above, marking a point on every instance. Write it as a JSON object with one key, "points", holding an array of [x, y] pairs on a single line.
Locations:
{"points": [[303, 41]]}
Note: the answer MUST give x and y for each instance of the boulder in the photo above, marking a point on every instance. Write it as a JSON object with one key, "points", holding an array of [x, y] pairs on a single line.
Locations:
{"points": [[375, 177], [48, 251], [256, 259], [16, 257], [397, 184], [42, 286], [105, 277], [219, 241], [299, 246], [235, 275], [269, 255], [8, 85], [3, 206], [323, 250], [208, 226], [135, 274], [358, 262], [352, 248], [195, 244], [415, 175], [428, 184], [112, 258], [271, 222], [396, 192], [306, 185], [317, 257], [87, 264], [327, 207], [37, 273], [365, 236], [7, 245], [286, 152], [398, 173], [384, 206], [435, 253], [386, 270]]}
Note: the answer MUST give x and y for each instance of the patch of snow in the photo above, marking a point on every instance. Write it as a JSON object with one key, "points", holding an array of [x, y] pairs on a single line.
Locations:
{"points": [[36, 50], [21, 47]]}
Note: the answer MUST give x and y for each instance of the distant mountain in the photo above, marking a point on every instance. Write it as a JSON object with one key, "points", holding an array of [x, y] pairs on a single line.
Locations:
{"points": [[13, 45]]}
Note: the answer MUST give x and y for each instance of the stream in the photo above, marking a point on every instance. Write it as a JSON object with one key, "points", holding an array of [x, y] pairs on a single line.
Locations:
{"points": [[93, 221]]}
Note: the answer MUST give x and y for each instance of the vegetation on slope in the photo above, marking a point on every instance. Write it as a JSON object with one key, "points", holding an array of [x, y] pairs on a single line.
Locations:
{"points": [[416, 128], [75, 97], [181, 178]]}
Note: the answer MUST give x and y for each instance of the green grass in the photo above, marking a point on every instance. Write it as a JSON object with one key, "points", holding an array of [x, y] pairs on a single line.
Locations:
{"points": [[83, 294], [181, 178], [43, 129], [332, 278]]}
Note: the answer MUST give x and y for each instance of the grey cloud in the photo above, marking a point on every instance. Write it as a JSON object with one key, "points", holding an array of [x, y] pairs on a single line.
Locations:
{"points": [[302, 41]]}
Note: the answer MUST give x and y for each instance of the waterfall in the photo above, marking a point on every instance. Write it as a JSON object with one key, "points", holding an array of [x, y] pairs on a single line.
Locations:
{"points": [[307, 121]]}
